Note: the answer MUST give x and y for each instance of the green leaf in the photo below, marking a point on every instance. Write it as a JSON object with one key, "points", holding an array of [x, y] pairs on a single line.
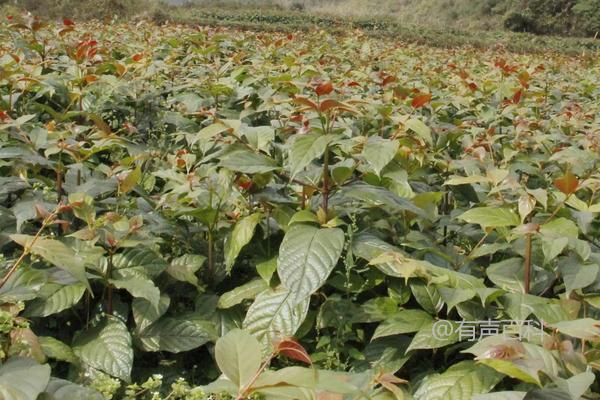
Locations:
{"points": [[61, 389], [434, 335], [586, 328], [138, 261], [184, 268], [578, 276], [552, 247], [501, 396], [518, 369], [379, 197], [23, 285], [452, 297], [266, 269], [241, 293], [132, 178], [427, 296], [405, 321], [461, 381], [560, 227], [240, 236], [145, 313], [57, 350], [56, 253], [23, 379], [107, 347], [378, 152], [238, 356], [248, 162], [138, 286], [274, 315], [422, 130], [176, 334], [508, 274], [307, 256], [61, 299], [305, 149], [491, 217], [576, 385]]}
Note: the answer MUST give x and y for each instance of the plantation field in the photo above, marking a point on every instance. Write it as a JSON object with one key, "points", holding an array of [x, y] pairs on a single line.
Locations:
{"points": [[192, 212]]}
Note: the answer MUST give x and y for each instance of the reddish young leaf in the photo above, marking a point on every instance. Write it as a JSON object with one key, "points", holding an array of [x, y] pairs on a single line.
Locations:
{"points": [[292, 349], [421, 100], [388, 79], [324, 88], [517, 97], [306, 102], [68, 22], [137, 57], [567, 184]]}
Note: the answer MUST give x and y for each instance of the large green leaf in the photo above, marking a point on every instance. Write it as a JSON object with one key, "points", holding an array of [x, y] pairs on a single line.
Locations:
{"points": [[23, 285], [378, 152], [139, 286], [107, 347], [238, 356], [56, 253], [241, 293], [56, 349], [305, 149], [274, 315], [491, 217], [176, 334], [61, 389], [585, 328], [145, 313], [459, 382], [138, 261], [184, 268], [578, 276], [436, 334], [306, 258], [427, 296], [379, 197], [23, 379], [405, 321], [240, 236], [61, 299], [246, 161]]}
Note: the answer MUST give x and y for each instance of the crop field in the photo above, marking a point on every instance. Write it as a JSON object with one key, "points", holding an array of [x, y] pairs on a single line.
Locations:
{"points": [[212, 213]]}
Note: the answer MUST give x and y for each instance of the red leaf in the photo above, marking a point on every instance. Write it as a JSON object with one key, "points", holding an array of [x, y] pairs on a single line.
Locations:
{"points": [[292, 349], [421, 100], [324, 88], [472, 86], [517, 97], [306, 102], [137, 57], [389, 79], [68, 22], [329, 104], [567, 184]]}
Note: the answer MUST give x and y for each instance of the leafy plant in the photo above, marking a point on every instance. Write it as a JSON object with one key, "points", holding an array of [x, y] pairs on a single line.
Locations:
{"points": [[182, 206]]}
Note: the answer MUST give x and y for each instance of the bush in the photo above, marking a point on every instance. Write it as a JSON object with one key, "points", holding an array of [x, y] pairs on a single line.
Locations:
{"points": [[519, 22], [588, 13]]}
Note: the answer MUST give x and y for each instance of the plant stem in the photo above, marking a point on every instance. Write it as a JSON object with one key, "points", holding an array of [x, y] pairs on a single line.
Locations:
{"points": [[325, 191], [244, 391], [527, 277], [109, 288], [27, 248]]}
